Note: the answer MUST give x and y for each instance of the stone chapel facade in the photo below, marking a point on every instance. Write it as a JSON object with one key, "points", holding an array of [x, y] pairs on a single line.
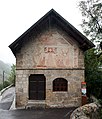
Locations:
{"points": [[50, 63]]}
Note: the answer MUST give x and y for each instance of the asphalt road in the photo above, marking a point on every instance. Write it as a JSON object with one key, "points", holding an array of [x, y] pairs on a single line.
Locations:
{"points": [[37, 114], [7, 98], [5, 113]]}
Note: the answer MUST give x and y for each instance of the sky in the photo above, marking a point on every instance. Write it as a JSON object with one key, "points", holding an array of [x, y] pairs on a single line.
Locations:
{"points": [[16, 16]]}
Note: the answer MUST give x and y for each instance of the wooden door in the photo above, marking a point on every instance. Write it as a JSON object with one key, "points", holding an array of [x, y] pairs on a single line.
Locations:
{"points": [[37, 83]]}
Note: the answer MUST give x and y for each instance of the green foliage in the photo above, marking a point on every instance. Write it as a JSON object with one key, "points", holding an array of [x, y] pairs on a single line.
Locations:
{"points": [[1, 87], [100, 112], [6, 83], [6, 68], [11, 78], [92, 18], [93, 74], [92, 27]]}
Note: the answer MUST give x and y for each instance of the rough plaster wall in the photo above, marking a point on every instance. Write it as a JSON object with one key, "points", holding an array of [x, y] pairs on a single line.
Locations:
{"points": [[51, 49]]}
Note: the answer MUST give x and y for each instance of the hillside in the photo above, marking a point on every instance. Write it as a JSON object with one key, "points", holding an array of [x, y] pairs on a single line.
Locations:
{"points": [[6, 68]]}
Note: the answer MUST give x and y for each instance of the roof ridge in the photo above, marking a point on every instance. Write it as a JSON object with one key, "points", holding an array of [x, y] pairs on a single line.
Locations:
{"points": [[60, 21]]}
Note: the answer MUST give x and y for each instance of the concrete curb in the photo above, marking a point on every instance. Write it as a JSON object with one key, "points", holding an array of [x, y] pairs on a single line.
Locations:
{"points": [[13, 107]]}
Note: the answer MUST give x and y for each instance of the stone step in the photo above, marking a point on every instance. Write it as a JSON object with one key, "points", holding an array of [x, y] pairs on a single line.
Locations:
{"points": [[35, 104]]}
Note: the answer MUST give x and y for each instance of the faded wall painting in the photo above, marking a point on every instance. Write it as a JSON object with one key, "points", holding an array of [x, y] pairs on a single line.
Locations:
{"points": [[49, 50], [54, 56], [55, 52]]}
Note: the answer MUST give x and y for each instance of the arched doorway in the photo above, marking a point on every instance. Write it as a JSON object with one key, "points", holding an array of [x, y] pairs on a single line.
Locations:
{"points": [[37, 87]]}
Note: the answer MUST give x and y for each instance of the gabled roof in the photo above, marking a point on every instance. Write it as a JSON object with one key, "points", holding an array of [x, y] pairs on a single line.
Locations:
{"points": [[52, 18]]}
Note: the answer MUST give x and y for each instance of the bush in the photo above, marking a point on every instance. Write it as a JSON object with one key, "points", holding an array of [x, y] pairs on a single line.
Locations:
{"points": [[100, 111], [12, 75], [1, 87], [6, 83]]}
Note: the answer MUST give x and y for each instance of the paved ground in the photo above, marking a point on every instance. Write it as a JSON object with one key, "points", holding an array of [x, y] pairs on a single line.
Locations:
{"points": [[7, 98], [37, 114], [5, 113]]}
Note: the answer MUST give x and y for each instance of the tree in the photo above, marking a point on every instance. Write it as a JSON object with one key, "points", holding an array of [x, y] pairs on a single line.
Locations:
{"points": [[12, 74], [11, 78], [92, 19], [93, 74], [92, 27]]}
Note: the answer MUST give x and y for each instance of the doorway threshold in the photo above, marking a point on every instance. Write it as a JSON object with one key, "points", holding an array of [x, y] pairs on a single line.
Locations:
{"points": [[35, 104]]}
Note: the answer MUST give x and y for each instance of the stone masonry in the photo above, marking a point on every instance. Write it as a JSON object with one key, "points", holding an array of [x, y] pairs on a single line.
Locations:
{"points": [[54, 54]]}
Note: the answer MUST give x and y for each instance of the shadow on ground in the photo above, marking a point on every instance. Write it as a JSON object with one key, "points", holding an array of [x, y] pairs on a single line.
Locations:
{"points": [[37, 114]]}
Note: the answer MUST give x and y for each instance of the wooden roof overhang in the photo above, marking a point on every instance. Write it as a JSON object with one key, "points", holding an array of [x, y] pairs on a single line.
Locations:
{"points": [[51, 19]]}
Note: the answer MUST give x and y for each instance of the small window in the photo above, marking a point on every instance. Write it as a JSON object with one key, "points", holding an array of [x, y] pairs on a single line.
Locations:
{"points": [[60, 84]]}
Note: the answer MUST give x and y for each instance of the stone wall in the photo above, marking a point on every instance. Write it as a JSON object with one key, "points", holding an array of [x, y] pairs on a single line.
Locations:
{"points": [[56, 55], [72, 97], [88, 111]]}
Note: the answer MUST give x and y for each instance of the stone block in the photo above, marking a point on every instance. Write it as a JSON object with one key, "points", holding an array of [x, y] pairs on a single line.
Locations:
{"points": [[56, 55]]}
